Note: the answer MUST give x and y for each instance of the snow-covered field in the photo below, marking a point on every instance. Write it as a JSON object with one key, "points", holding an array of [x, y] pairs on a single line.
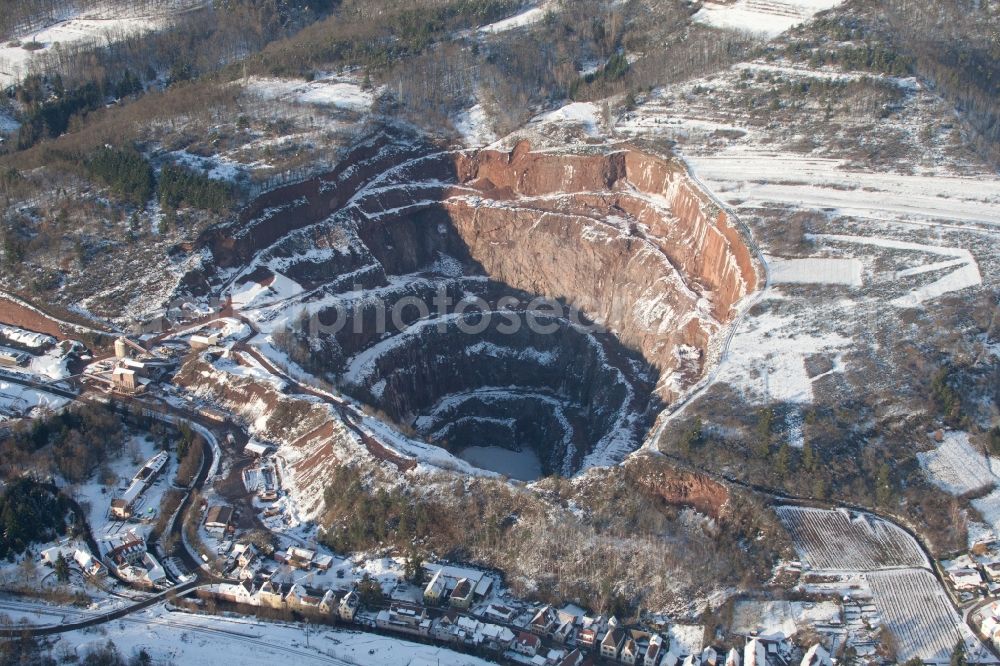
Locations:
{"points": [[917, 611], [748, 177], [840, 540], [332, 91], [19, 400], [527, 17], [767, 18], [874, 554], [95, 27], [199, 640], [767, 357], [816, 270], [956, 467], [781, 619]]}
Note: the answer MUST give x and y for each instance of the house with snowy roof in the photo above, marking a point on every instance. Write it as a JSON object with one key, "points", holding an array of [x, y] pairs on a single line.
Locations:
{"points": [[544, 621], [461, 596], [527, 644], [630, 652], [348, 606], [238, 593], [435, 589], [496, 637], [574, 658], [89, 565], [653, 652], [817, 656], [611, 644], [406, 618], [270, 595], [754, 653]]}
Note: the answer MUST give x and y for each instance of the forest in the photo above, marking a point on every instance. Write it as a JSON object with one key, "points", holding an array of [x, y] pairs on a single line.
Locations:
{"points": [[30, 513], [72, 443]]}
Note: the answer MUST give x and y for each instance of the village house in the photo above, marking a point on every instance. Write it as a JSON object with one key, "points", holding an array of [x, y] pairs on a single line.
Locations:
{"points": [[965, 578], [89, 565], [257, 449], [298, 598], [653, 652], [498, 613], [587, 637], [992, 570], [564, 631], [270, 595], [405, 618], [754, 653], [300, 558], [817, 656], [544, 621], [444, 579], [527, 644], [574, 658], [348, 606], [445, 628], [670, 659], [127, 551], [497, 638], [691, 660], [218, 518], [51, 555], [630, 652], [612, 643], [733, 657], [245, 553], [461, 596], [12, 357], [435, 589], [328, 604], [238, 593], [709, 657]]}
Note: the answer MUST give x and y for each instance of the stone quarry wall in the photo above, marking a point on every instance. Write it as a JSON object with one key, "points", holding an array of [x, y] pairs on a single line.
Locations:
{"points": [[648, 284]]}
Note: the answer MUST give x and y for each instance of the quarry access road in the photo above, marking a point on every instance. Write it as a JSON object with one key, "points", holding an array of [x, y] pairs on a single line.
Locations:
{"points": [[348, 413]]}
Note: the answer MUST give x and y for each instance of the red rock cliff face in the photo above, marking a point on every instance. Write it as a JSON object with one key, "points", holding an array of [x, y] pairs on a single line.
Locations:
{"points": [[625, 237]]}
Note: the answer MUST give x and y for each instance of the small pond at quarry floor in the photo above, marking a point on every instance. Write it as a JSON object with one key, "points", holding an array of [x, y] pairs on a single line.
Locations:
{"points": [[522, 465]]}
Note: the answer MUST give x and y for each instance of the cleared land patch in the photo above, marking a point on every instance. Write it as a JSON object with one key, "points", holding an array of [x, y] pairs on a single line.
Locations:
{"points": [[956, 467]]}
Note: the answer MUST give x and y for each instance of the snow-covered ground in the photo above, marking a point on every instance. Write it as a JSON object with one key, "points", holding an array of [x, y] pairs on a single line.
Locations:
{"points": [[527, 17], [94, 27], [210, 640], [17, 400], [584, 115], [746, 177], [815, 270], [956, 467], [338, 92], [473, 125], [95, 497], [781, 619], [767, 18]]}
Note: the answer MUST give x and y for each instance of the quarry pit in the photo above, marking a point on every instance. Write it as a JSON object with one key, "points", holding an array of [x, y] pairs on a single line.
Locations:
{"points": [[531, 312]]}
